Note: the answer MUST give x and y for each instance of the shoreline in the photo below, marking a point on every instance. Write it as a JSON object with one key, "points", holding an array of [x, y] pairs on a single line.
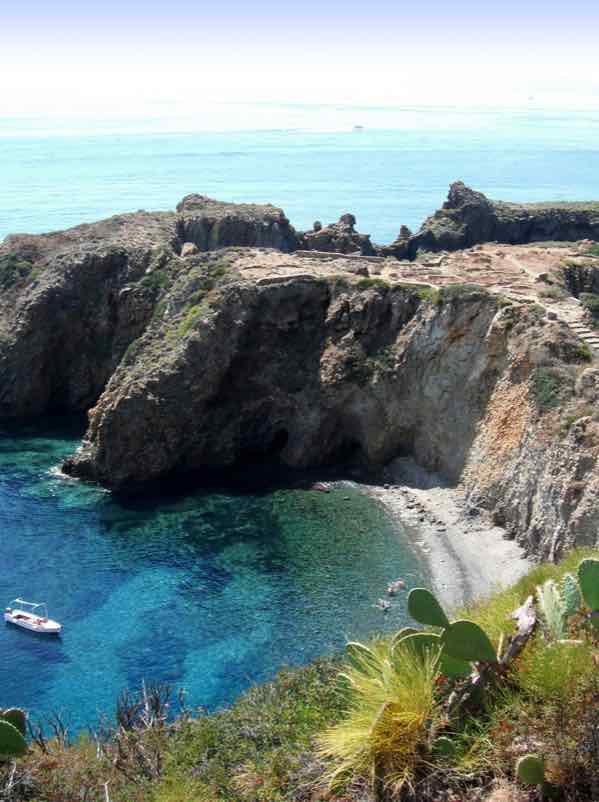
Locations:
{"points": [[466, 555]]}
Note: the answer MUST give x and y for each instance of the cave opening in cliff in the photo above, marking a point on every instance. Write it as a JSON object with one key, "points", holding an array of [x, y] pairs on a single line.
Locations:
{"points": [[264, 451], [348, 451]]}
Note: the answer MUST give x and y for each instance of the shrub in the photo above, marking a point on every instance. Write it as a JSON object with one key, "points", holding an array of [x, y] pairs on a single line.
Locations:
{"points": [[191, 317], [590, 301], [428, 294], [548, 387], [451, 292], [13, 269], [554, 293], [372, 283], [391, 704], [584, 353]]}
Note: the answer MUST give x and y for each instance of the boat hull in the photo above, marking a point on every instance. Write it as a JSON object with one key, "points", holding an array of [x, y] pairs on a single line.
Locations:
{"points": [[32, 623]]}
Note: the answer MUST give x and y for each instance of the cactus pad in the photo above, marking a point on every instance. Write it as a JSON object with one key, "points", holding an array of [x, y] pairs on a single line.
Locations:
{"points": [[570, 593], [12, 743], [16, 717], [453, 667], [552, 608], [467, 641], [443, 747], [425, 608], [588, 578], [530, 770]]}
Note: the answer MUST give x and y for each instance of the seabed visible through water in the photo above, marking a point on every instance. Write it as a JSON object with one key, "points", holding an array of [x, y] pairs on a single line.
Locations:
{"points": [[210, 591]]}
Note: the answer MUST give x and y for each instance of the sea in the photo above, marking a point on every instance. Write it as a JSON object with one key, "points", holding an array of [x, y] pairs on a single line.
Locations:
{"points": [[214, 589]]}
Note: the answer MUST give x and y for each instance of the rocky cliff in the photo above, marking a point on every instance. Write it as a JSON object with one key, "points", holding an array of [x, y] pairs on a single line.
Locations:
{"points": [[468, 218], [188, 359]]}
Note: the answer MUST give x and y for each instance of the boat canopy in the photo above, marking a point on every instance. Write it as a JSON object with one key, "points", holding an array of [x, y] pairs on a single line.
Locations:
{"points": [[31, 607]]}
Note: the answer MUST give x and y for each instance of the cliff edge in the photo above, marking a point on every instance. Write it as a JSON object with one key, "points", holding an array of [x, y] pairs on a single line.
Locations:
{"points": [[202, 338]]}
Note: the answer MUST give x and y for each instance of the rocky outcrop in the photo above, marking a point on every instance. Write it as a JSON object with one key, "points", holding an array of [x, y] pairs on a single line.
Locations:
{"points": [[72, 302], [76, 302], [210, 224], [188, 359], [470, 218], [310, 370], [340, 237]]}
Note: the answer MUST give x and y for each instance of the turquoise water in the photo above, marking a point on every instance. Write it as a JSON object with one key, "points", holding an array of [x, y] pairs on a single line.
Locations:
{"points": [[59, 173], [209, 591]]}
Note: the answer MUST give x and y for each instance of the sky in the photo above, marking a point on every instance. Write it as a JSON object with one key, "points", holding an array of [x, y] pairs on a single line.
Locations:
{"points": [[127, 57]]}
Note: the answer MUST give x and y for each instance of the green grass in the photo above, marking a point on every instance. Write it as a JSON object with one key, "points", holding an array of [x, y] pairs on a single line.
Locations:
{"points": [[590, 301], [252, 750], [549, 386], [13, 270], [372, 283], [554, 293]]}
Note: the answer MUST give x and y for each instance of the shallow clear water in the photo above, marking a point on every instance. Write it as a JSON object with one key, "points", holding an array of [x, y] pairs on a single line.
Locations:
{"points": [[60, 173], [210, 591]]}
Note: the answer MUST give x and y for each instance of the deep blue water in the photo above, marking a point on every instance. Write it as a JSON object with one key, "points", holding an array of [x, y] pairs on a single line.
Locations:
{"points": [[396, 171], [208, 591]]}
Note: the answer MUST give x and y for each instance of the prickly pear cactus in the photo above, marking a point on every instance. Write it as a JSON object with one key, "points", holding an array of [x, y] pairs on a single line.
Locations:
{"points": [[16, 717], [570, 593], [530, 770], [12, 743], [425, 608], [465, 640], [429, 643], [443, 747], [588, 579], [552, 608]]}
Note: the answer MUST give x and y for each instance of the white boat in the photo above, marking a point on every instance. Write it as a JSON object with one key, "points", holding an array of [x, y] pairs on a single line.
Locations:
{"points": [[31, 616]]}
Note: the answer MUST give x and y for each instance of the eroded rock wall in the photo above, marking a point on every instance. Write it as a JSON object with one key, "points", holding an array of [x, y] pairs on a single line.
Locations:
{"points": [[201, 359], [321, 367]]}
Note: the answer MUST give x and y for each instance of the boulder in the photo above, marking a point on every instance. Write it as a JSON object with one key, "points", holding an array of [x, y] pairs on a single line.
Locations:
{"points": [[340, 237]]}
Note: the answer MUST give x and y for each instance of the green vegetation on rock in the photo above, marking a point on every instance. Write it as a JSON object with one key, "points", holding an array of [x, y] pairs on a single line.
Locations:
{"points": [[13, 270]]}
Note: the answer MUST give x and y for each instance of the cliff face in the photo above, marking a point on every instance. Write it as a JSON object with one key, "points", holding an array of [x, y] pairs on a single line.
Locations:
{"points": [[313, 369], [210, 224], [189, 355], [70, 304]]}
